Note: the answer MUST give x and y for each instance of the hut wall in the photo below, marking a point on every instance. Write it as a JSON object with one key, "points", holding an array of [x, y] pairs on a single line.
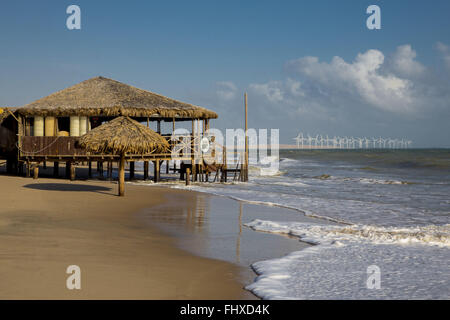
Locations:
{"points": [[38, 126], [74, 126], [83, 125], [49, 128]]}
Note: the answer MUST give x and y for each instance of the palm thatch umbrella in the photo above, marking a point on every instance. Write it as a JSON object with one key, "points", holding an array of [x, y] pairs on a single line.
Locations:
{"points": [[121, 136]]}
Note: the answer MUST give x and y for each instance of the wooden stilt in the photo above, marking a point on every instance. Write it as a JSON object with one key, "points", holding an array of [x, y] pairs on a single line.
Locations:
{"points": [[188, 172], [100, 168], [36, 171], [72, 173], [110, 169], [131, 170], [167, 166], [145, 170], [28, 169], [68, 169], [156, 171], [182, 166], [122, 175], [56, 169], [90, 169]]}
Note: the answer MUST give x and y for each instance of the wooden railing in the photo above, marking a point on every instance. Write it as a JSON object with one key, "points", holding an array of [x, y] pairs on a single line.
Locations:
{"points": [[49, 146], [182, 147]]}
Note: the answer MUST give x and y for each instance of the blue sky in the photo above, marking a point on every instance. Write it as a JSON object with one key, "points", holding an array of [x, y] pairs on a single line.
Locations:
{"points": [[209, 52]]}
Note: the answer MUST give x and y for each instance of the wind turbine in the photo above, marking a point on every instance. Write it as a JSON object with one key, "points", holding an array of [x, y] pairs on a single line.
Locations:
{"points": [[298, 139], [360, 142], [380, 142], [374, 142], [309, 141], [367, 141]]}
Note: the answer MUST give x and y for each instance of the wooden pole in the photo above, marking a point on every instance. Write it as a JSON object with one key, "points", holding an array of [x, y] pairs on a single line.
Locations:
{"points": [[158, 129], [188, 173], [246, 141], [36, 171], [110, 169], [90, 169], [193, 151], [145, 170], [55, 169], [72, 173], [68, 166], [156, 171], [131, 170], [122, 175], [167, 166], [28, 172]]}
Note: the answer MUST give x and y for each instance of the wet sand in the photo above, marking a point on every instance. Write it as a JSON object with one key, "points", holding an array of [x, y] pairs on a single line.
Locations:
{"points": [[48, 224], [214, 227]]}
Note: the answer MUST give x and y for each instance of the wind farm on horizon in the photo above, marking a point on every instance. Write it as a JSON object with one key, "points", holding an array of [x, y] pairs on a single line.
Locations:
{"points": [[325, 142]]}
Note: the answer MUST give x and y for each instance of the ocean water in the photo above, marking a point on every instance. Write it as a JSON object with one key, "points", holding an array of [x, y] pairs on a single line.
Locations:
{"points": [[393, 209]]}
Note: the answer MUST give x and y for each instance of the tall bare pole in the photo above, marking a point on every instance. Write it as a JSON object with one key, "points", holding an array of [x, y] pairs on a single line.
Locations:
{"points": [[246, 140]]}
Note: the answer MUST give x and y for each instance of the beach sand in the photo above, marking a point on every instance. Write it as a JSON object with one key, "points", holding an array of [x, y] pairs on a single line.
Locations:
{"points": [[48, 224]]}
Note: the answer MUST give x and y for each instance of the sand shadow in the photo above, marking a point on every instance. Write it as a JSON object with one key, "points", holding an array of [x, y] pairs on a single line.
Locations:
{"points": [[68, 187]]}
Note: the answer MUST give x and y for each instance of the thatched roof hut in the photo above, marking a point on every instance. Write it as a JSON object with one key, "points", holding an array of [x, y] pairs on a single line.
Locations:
{"points": [[123, 135], [106, 97]]}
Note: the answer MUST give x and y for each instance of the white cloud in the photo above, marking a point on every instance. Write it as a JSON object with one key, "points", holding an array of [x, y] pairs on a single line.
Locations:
{"points": [[272, 90], [362, 79], [403, 62], [226, 90], [445, 51]]}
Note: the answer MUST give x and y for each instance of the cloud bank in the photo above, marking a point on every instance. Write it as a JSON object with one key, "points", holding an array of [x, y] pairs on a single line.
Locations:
{"points": [[375, 93]]}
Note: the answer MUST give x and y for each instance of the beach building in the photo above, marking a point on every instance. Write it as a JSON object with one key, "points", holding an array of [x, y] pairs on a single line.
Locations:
{"points": [[48, 130]]}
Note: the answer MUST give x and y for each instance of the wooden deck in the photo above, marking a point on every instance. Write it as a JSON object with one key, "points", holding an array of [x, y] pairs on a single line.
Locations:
{"points": [[38, 150]]}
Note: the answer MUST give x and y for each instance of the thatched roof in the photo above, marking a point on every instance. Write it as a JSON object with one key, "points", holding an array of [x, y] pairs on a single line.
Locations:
{"points": [[106, 97], [123, 134], [4, 112]]}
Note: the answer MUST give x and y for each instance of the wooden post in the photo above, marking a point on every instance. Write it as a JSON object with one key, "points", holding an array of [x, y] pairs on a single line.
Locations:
{"points": [[158, 129], [110, 169], [193, 151], [156, 171], [90, 169], [122, 175], [36, 171], [148, 123], [145, 170], [72, 173], [56, 169], [188, 172], [246, 141], [167, 166], [101, 169], [68, 169], [131, 170], [28, 169], [224, 166]]}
